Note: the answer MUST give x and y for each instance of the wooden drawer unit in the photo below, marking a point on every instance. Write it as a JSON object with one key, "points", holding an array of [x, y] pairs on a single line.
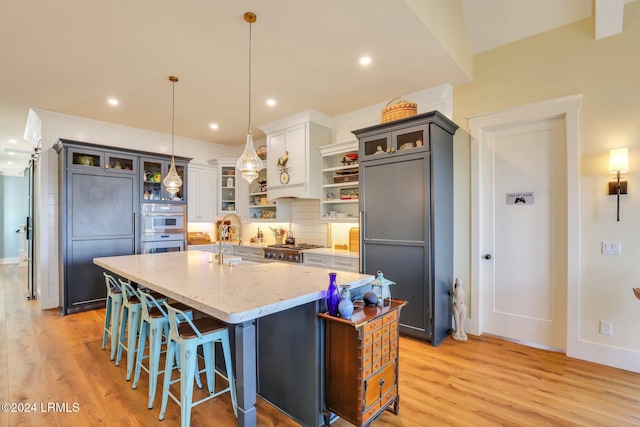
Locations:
{"points": [[361, 363]]}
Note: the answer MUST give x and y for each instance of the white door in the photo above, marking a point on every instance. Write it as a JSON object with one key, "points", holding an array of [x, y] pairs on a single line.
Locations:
{"points": [[523, 227]]}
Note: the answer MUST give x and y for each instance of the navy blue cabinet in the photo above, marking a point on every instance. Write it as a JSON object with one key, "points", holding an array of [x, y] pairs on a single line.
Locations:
{"points": [[406, 204]]}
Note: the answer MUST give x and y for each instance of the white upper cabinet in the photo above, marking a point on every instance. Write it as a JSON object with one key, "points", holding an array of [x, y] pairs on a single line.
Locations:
{"points": [[293, 157], [202, 193]]}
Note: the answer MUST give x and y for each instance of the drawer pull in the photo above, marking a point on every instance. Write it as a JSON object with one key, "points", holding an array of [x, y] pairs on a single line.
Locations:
{"points": [[381, 382]]}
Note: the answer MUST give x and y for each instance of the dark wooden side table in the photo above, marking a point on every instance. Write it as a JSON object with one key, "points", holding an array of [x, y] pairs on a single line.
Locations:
{"points": [[361, 363]]}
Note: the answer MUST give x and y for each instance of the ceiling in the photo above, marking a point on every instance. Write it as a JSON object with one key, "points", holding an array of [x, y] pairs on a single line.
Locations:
{"points": [[71, 56]]}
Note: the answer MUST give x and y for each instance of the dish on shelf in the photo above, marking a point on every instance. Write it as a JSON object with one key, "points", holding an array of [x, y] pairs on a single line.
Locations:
{"points": [[349, 159], [85, 160]]}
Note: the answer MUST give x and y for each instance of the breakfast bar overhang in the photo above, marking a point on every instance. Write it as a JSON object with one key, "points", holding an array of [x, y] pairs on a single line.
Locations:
{"points": [[285, 296]]}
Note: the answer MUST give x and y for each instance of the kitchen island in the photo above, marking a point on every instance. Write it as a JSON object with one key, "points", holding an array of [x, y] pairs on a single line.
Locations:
{"points": [[279, 348]]}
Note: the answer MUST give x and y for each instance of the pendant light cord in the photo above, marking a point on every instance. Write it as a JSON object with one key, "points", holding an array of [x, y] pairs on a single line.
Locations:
{"points": [[250, 24], [173, 114]]}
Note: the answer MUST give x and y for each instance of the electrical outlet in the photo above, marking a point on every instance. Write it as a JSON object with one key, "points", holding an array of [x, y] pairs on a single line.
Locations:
{"points": [[611, 248], [606, 328]]}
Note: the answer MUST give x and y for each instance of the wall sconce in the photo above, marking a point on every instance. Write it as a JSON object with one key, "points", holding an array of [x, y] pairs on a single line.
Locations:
{"points": [[618, 162]]}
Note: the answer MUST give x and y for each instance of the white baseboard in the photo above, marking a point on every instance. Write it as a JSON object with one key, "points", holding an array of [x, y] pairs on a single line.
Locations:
{"points": [[9, 260]]}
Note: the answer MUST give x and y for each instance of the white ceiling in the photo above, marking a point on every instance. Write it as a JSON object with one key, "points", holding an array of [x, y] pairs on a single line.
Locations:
{"points": [[70, 56]]}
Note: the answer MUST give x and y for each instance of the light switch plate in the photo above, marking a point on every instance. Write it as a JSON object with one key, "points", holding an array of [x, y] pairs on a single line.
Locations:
{"points": [[611, 248]]}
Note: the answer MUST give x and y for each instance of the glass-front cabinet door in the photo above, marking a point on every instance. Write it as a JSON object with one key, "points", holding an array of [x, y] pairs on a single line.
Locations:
{"points": [[120, 162], [402, 141], [228, 190], [153, 172]]}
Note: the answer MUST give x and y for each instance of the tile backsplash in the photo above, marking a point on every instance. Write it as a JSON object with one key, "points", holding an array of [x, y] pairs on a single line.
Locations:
{"points": [[305, 222]]}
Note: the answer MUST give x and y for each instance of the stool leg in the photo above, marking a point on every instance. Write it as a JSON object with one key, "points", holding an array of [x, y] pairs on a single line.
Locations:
{"points": [[107, 321], [168, 368], [115, 324], [188, 355], [142, 341], [154, 361], [122, 334], [209, 353], [226, 350], [132, 335]]}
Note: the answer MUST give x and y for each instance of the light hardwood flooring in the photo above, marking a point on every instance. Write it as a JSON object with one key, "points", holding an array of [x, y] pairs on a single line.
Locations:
{"points": [[47, 359]]}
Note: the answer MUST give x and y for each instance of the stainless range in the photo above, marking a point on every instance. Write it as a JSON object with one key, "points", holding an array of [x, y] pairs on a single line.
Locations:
{"points": [[287, 253]]}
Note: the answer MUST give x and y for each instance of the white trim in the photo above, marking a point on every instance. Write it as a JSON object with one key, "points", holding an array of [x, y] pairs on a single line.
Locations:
{"points": [[13, 260], [569, 108]]}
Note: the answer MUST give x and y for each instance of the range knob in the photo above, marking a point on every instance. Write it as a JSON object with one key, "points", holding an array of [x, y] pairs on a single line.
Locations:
{"points": [[289, 258], [279, 256], [296, 258], [266, 255]]}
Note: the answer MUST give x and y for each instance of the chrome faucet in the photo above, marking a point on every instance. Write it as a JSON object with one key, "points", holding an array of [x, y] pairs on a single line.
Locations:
{"points": [[221, 231]]}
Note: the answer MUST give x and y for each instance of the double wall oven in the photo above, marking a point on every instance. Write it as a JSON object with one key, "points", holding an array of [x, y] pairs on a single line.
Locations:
{"points": [[163, 228]]}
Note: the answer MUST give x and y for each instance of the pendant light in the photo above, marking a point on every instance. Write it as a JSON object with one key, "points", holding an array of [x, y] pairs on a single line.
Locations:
{"points": [[172, 181], [249, 163]]}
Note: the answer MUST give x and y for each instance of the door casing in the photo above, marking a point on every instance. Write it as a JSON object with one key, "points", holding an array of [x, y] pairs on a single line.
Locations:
{"points": [[568, 108]]}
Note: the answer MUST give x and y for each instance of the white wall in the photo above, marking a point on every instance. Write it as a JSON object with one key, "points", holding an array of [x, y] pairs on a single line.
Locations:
{"points": [[555, 64]]}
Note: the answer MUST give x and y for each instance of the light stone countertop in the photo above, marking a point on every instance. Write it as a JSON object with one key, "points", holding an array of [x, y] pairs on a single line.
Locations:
{"points": [[232, 294]]}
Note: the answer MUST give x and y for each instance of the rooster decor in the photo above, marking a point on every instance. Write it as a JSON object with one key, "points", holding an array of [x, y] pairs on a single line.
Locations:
{"points": [[282, 167], [282, 161]]}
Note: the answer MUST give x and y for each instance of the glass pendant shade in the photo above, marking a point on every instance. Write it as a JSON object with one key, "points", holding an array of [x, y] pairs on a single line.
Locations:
{"points": [[172, 182], [249, 164]]}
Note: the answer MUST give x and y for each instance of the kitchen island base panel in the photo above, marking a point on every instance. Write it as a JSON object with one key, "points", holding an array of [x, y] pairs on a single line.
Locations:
{"points": [[291, 362]]}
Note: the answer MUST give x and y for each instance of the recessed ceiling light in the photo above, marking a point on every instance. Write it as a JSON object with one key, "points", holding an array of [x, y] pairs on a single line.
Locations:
{"points": [[11, 153], [113, 101], [213, 126], [271, 102], [9, 163], [365, 60], [13, 141]]}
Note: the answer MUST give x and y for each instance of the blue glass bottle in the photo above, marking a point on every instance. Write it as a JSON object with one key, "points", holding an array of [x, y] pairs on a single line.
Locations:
{"points": [[333, 295]]}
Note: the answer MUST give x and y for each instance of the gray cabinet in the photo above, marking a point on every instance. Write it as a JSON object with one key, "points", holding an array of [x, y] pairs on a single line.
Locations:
{"points": [[98, 207], [406, 200], [99, 190]]}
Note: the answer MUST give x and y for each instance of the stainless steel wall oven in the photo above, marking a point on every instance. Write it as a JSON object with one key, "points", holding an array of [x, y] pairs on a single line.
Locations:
{"points": [[163, 228]]}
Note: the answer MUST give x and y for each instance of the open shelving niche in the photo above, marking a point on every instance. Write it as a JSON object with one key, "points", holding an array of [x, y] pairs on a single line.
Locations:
{"points": [[259, 208], [345, 199]]}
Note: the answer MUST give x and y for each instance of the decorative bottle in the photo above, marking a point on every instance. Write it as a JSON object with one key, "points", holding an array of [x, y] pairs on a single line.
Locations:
{"points": [[345, 306], [333, 295]]}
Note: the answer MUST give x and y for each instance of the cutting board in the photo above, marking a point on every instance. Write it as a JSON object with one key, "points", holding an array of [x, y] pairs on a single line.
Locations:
{"points": [[354, 239]]}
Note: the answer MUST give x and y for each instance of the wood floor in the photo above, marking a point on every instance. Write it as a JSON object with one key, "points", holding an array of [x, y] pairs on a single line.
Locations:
{"points": [[47, 359]]}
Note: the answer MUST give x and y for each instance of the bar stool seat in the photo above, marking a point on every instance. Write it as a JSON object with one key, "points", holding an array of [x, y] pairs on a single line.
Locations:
{"points": [[112, 313], [154, 326], [185, 336]]}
